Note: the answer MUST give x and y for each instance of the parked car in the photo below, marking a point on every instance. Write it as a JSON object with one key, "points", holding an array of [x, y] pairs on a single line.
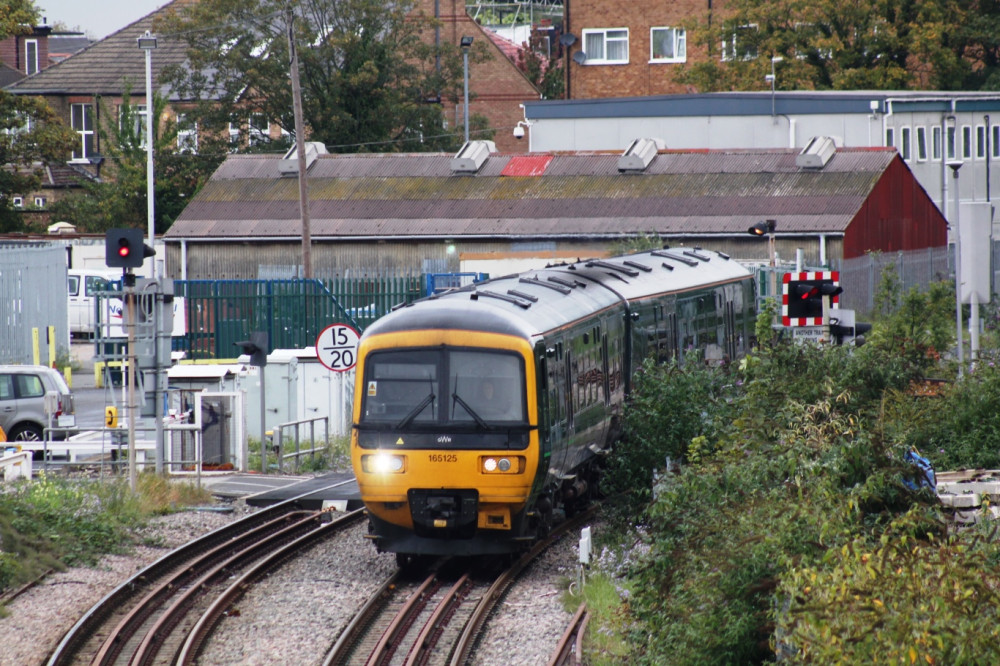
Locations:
{"points": [[22, 402]]}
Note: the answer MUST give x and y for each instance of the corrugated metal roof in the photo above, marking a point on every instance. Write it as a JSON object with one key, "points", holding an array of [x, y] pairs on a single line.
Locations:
{"points": [[704, 192]]}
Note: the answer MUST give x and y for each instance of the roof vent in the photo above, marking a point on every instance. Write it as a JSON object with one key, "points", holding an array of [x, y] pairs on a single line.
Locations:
{"points": [[289, 164], [816, 154], [639, 154], [472, 156]]}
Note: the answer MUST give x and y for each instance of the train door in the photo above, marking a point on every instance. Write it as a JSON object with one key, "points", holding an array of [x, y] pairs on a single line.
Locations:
{"points": [[545, 416]]}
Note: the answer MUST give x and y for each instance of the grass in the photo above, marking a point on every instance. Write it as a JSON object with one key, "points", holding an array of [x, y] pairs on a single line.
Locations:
{"points": [[52, 523], [604, 643]]}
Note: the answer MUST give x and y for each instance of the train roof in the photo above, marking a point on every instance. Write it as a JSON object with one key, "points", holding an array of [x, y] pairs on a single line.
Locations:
{"points": [[532, 303]]}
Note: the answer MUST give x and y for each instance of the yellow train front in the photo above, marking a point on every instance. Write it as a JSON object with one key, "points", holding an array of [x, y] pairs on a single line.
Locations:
{"points": [[480, 415]]}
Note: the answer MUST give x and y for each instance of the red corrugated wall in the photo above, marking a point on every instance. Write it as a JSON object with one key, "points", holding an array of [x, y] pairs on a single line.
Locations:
{"points": [[897, 215]]}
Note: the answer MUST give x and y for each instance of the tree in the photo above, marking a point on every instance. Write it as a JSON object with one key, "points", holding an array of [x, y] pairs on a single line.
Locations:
{"points": [[120, 201], [371, 76], [826, 44], [30, 133]]}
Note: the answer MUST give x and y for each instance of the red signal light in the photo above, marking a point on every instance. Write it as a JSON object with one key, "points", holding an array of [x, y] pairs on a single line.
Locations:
{"points": [[123, 248]]}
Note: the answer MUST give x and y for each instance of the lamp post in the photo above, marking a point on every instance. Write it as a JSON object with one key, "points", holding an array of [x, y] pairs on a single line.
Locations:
{"points": [[760, 229], [147, 42], [466, 43]]}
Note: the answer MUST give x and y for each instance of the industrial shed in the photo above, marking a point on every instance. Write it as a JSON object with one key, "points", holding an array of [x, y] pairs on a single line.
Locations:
{"points": [[420, 213]]}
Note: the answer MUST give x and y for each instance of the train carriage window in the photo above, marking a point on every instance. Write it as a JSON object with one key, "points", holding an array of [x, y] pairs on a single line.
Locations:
{"points": [[402, 385], [487, 385]]}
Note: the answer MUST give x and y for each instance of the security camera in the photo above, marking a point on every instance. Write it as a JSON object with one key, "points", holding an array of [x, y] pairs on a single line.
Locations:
{"points": [[518, 131]]}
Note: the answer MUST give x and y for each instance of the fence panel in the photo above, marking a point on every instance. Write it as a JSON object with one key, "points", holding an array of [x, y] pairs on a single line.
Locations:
{"points": [[32, 295], [860, 277], [292, 312]]}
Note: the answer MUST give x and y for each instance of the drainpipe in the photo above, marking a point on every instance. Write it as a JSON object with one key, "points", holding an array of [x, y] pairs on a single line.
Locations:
{"points": [[986, 119], [944, 157]]}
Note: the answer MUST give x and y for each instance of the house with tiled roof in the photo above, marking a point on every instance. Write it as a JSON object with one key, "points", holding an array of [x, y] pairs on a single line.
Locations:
{"points": [[498, 213]]}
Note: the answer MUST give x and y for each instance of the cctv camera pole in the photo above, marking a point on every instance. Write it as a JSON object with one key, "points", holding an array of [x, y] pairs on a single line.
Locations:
{"points": [[955, 166]]}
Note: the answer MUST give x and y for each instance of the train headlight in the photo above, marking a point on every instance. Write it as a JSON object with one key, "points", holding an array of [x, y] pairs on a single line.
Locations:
{"points": [[383, 463], [502, 464]]}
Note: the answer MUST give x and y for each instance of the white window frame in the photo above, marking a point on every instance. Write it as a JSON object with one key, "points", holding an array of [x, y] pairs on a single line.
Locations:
{"points": [[966, 142], [921, 143], [936, 143], [31, 56], [995, 140], [678, 39], [951, 142], [82, 121], [906, 143], [187, 135], [980, 142], [890, 137], [730, 46], [616, 35], [18, 202], [258, 132], [40, 202], [139, 125]]}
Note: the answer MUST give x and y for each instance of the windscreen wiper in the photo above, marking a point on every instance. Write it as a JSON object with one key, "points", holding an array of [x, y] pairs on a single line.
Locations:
{"points": [[416, 411], [479, 419]]}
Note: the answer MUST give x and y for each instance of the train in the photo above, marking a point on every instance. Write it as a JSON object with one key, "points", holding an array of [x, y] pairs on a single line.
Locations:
{"points": [[483, 414]]}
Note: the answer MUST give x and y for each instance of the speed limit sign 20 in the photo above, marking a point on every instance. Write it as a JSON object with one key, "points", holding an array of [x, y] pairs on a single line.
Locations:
{"points": [[337, 347]]}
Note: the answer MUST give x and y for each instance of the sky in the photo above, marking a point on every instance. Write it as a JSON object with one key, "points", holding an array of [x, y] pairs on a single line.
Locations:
{"points": [[97, 18]]}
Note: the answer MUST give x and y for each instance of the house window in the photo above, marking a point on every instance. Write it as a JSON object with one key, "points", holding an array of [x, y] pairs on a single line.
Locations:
{"points": [[606, 47], [234, 137], [890, 137], [966, 142], [40, 202], [980, 142], [921, 144], [904, 143], [995, 141], [936, 143], [18, 202], [667, 45], [82, 120], [258, 129], [30, 56], [187, 134], [742, 43], [951, 149], [138, 122]]}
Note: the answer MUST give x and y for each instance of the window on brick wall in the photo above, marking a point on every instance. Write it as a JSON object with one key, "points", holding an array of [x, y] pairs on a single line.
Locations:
{"points": [[82, 120], [667, 45], [606, 46], [742, 43], [30, 56]]}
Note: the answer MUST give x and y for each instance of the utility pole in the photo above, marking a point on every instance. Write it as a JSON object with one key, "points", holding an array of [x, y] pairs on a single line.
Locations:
{"points": [[300, 146]]}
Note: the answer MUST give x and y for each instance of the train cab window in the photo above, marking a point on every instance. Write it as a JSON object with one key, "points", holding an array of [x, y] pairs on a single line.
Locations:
{"points": [[402, 386], [489, 386], [441, 387]]}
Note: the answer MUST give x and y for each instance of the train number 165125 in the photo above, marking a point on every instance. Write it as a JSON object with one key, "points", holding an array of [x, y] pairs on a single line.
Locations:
{"points": [[442, 457]]}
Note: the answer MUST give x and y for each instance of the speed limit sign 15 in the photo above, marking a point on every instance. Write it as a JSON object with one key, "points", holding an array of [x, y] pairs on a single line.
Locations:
{"points": [[337, 347]]}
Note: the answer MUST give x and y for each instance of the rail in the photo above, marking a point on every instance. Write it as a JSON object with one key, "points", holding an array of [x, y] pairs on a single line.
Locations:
{"points": [[296, 426]]}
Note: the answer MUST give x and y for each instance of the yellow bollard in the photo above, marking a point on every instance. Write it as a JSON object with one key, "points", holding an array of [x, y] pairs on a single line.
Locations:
{"points": [[50, 333], [68, 374], [35, 355]]}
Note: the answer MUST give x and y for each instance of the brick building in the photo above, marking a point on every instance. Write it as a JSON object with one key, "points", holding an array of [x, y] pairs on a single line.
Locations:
{"points": [[629, 53]]}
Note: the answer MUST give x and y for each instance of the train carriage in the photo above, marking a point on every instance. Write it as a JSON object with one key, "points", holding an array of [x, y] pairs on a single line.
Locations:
{"points": [[481, 414]]}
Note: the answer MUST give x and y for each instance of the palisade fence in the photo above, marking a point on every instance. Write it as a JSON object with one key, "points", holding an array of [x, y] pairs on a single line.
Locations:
{"points": [[32, 296], [860, 277], [292, 312]]}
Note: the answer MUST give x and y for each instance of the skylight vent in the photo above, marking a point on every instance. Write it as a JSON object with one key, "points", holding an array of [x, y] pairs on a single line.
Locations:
{"points": [[817, 153], [289, 164], [640, 154], [472, 156]]}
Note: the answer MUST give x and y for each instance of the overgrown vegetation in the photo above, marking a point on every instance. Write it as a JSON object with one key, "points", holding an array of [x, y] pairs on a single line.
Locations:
{"points": [[52, 523], [793, 525]]}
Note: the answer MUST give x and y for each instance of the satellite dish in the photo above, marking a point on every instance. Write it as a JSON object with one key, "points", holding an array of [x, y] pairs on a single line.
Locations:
{"points": [[567, 39], [579, 57]]}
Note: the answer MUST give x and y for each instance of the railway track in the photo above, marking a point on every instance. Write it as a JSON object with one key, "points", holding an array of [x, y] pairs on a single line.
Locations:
{"points": [[569, 651], [437, 620], [166, 610]]}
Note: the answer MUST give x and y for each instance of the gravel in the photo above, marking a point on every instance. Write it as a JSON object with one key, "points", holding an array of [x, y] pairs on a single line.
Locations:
{"points": [[293, 616]]}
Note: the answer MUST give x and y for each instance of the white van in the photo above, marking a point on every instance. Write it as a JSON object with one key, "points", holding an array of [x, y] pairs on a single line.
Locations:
{"points": [[82, 284]]}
